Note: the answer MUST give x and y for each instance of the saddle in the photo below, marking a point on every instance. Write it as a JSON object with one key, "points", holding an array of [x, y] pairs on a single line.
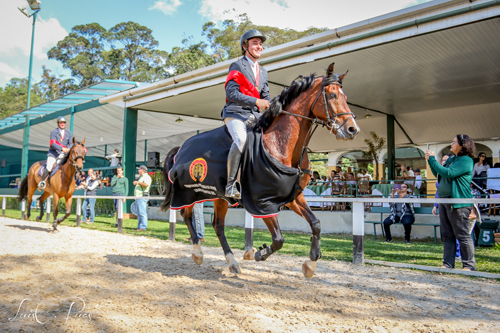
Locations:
{"points": [[44, 166], [199, 174]]}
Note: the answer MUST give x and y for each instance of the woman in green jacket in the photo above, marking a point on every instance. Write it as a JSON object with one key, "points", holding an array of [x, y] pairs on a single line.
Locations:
{"points": [[454, 179]]}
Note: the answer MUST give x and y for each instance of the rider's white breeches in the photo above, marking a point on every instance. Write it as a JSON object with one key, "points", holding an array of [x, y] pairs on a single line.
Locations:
{"points": [[238, 131], [51, 160]]}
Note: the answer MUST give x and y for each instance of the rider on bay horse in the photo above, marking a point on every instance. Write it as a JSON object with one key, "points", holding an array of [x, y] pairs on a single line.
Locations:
{"points": [[60, 144], [247, 92]]}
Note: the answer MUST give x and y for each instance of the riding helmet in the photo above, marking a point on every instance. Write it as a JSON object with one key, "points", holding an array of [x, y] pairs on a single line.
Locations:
{"points": [[61, 119], [253, 33]]}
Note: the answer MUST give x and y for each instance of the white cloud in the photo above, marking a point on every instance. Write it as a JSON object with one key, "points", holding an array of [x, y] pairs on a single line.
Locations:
{"points": [[299, 14], [16, 41], [7, 72], [168, 7], [16, 33]]}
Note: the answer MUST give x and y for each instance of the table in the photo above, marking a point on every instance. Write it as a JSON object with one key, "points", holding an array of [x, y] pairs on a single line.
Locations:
{"points": [[318, 189], [385, 189]]}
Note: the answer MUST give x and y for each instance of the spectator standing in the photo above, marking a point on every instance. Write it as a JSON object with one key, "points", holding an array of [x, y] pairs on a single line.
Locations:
{"points": [[199, 222], [114, 160], [455, 178], [141, 189], [480, 170], [418, 179], [410, 172], [83, 176], [78, 179], [120, 187], [400, 213], [90, 185]]}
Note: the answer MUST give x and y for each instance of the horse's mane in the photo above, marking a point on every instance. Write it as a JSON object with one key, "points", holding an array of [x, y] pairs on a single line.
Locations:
{"points": [[288, 94]]}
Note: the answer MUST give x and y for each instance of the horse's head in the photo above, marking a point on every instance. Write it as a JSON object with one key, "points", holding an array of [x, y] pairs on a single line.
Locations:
{"points": [[331, 106], [77, 154]]}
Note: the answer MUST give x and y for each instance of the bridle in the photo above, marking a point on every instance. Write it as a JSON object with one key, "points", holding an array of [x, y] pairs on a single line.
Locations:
{"points": [[78, 157], [330, 122]]}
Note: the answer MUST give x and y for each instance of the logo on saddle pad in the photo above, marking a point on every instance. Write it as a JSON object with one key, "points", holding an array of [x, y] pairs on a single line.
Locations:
{"points": [[198, 170]]}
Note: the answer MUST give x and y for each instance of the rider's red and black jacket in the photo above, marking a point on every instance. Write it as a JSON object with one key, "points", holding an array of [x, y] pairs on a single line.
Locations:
{"points": [[57, 142], [242, 91]]}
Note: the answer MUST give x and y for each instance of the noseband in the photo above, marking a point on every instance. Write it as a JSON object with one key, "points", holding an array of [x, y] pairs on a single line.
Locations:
{"points": [[329, 123]]}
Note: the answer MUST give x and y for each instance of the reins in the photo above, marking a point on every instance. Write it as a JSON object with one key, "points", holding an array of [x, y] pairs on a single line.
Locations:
{"points": [[330, 122]]}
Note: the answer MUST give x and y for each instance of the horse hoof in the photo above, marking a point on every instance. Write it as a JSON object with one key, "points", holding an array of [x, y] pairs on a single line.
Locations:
{"points": [[197, 259], [235, 269], [250, 254], [55, 231], [308, 268]]}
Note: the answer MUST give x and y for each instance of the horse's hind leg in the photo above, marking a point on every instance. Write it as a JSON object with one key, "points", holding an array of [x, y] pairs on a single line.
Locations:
{"points": [[220, 211], [31, 191], [300, 206], [265, 251], [188, 216], [41, 201]]}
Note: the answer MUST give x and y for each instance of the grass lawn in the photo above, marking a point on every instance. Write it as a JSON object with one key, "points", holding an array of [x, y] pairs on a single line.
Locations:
{"points": [[333, 246]]}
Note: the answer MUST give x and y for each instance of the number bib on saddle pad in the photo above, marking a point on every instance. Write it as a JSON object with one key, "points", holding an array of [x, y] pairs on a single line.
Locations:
{"points": [[200, 174]]}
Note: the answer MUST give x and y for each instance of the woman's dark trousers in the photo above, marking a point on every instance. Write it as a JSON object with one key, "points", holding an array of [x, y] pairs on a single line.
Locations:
{"points": [[407, 221], [455, 226]]}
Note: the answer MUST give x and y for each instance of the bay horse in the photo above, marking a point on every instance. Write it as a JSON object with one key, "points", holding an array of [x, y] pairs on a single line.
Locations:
{"points": [[60, 185], [287, 127]]}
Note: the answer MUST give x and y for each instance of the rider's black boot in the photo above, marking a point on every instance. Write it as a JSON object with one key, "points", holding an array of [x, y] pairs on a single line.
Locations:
{"points": [[42, 184], [233, 163]]}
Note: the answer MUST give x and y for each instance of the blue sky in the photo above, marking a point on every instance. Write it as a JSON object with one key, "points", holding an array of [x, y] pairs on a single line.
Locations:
{"points": [[170, 20]]}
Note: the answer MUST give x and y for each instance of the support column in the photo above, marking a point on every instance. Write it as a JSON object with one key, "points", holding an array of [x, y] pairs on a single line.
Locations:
{"points": [[129, 151], [171, 230], [25, 151], [78, 211], [72, 119], [391, 148], [4, 205], [47, 209], [146, 152], [358, 232]]}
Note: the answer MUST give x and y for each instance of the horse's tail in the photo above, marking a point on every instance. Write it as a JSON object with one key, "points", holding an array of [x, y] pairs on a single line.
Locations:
{"points": [[167, 165], [23, 190]]}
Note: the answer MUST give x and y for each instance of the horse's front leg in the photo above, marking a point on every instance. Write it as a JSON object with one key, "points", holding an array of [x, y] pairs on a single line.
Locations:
{"points": [[220, 211], [300, 206], [265, 251], [188, 216], [55, 211], [68, 203]]}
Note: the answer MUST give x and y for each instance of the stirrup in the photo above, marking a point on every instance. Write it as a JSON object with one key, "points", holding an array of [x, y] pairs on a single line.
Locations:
{"points": [[42, 185], [232, 191]]}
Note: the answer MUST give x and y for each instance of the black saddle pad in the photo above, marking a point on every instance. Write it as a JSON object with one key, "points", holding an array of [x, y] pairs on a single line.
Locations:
{"points": [[200, 174]]}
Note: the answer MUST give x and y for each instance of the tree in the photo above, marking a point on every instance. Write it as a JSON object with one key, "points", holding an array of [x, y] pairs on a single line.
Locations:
{"points": [[375, 145], [188, 58], [52, 87], [82, 52], [138, 60], [14, 96], [225, 43], [126, 51], [319, 163]]}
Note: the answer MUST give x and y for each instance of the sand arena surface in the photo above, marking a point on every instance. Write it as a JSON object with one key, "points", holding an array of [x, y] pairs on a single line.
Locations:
{"points": [[138, 284]]}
